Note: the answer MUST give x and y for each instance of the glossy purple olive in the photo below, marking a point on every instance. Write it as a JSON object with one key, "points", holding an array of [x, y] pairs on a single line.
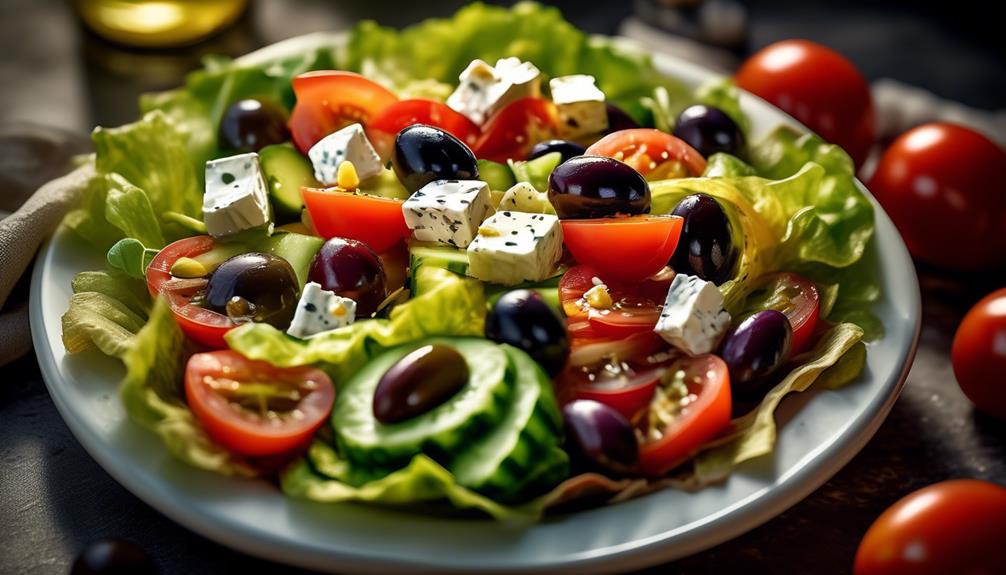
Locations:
{"points": [[350, 269], [250, 125], [425, 153], [755, 349], [522, 319], [595, 187], [600, 437], [565, 148], [254, 286], [709, 130], [618, 120], [420, 381], [113, 557], [705, 248]]}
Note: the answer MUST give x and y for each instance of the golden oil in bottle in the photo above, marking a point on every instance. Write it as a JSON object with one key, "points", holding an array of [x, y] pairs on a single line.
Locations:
{"points": [[158, 23]]}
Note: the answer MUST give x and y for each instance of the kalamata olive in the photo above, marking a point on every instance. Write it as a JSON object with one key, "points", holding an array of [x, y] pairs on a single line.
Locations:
{"points": [[756, 348], [595, 187], [250, 125], [706, 247], [113, 557], [256, 286], [618, 120], [522, 319], [418, 382], [709, 130], [599, 436], [350, 269], [565, 148], [424, 154]]}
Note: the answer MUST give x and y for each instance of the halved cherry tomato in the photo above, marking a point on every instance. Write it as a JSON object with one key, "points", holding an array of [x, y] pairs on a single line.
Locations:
{"points": [[514, 130], [199, 324], [793, 295], [696, 418], [626, 248], [405, 113], [328, 100], [254, 408], [655, 154], [580, 278], [377, 222]]}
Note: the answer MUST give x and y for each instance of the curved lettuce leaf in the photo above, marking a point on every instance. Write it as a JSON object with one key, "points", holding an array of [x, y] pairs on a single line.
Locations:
{"points": [[106, 311]]}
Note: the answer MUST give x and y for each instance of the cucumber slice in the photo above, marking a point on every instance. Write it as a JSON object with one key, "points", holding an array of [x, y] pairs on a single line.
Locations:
{"points": [[477, 407], [286, 171], [552, 468], [547, 289], [498, 176], [536, 171], [500, 462], [298, 249], [436, 255]]}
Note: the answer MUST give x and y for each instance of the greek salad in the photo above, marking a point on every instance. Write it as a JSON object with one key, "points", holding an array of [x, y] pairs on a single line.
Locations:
{"points": [[483, 263]]}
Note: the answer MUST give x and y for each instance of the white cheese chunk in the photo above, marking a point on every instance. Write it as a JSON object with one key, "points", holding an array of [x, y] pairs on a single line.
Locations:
{"points": [[515, 247], [523, 197], [483, 89], [319, 311], [348, 144], [236, 198], [447, 211], [693, 319], [580, 105]]}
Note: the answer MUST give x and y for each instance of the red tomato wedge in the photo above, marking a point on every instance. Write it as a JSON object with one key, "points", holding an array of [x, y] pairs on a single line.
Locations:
{"points": [[655, 154], [199, 324], [329, 100], [514, 130], [626, 248], [793, 295], [405, 113], [695, 419], [377, 222], [254, 408]]}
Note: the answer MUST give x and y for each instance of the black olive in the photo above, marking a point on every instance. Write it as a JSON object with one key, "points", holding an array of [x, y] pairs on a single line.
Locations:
{"points": [[256, 286], [618, 120], [250, 125], [705, 248], [595, 187], [424, 154], [709, 130], [522, 319], [565, 148], [755, 349], [418, 382], [350, 269], [113, 557], [600, 437]]}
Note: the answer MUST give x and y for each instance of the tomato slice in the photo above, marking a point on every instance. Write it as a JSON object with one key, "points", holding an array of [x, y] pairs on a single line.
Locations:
{"points": [[328, 100], [513, 131], [624, 248], [700, 415], [254, 408], [405, 113], [635, 297], [377, 222], [793, 295], [655, 154], [199, 324]]}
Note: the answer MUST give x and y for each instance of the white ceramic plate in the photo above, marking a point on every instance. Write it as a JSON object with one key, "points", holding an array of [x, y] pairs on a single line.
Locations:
{"points": [[820, 432]]}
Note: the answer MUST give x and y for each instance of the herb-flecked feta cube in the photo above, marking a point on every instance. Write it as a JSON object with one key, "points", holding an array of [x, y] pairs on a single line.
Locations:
{"points": [[693, 319], [320, 310], [523, 197], [580, 104], [483, 89], [348, 144], [447, 211], [236, 198], [515, 247]]}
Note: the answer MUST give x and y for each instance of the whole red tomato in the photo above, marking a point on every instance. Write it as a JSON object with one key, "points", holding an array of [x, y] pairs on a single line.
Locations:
{"points": [[954, 527], [945, 188], [979, 354], [817, 86]]}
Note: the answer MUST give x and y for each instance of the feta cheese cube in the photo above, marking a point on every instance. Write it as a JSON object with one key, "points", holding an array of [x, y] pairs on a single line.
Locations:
{"points": [[447, 211], [515, 247], [319, 311], [236, 198], [523, 197], [483, 89], [693, 319], [580, 105], [348, 144]]}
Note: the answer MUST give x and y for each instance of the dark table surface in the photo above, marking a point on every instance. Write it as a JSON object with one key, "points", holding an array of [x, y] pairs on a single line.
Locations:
{"points": [[54, 498]]}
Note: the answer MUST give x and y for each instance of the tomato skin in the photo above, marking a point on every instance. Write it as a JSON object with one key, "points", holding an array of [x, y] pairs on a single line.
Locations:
{"points": [[198, 324], [377, 222], [243, 435], [514, 130], [817, 86], [328, 100], [405, 113], [797, 298], [644, 149], [628, 248], [703, 419], [979, 353], [955, 526], [945, 188]]}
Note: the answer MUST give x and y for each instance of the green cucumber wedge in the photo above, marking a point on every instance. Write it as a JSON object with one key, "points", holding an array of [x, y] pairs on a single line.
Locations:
{"points": [[432, 254], [286, 171]]}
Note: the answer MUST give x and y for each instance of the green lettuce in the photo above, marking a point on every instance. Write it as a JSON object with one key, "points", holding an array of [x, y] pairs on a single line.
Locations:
{"points": [[105, 312]]}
